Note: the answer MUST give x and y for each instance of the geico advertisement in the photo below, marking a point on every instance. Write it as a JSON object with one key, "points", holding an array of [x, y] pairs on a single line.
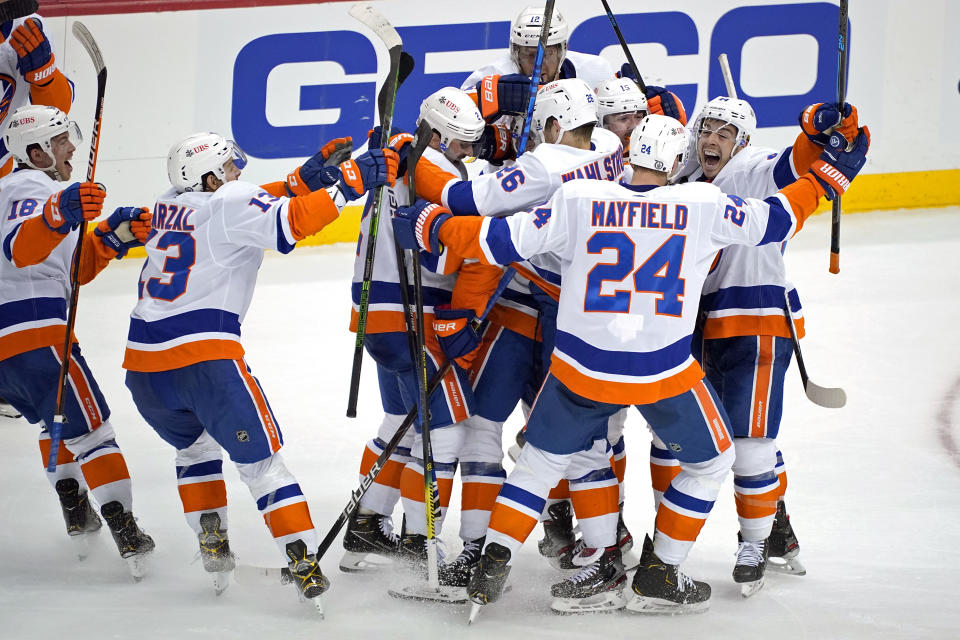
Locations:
{"points": [[292, 89]]}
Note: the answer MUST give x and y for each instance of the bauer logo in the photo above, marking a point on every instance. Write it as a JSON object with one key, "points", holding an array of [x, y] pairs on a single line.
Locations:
{"points": [[292, 91]]}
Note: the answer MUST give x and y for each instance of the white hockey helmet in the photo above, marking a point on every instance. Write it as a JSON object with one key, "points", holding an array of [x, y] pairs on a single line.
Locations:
{"points": [[570, 101], [619, 95], [657, 142], [734, 111], [526, 28], [37, 124], [199, 154], [453, 115]]}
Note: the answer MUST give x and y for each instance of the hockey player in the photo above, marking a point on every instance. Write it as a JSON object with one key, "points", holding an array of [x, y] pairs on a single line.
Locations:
{"points": [[457, 127], [621, 106], [39, 234], [184, 361], [747, 344], [28, 69], [566, 146], [615, 348]]}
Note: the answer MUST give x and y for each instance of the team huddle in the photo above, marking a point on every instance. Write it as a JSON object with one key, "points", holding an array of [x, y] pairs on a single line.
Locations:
{"points": [[617, 256]]}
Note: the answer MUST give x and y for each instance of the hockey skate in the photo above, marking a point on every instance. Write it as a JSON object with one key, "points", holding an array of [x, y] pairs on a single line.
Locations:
{"points": [[559, 543], [489, 579], [304, 573], [82, 521], [782, 545], [454, 577], [598, 587], [215, 552], [7, 410], [370, 543], [751, 563], [660, 588], [134, 545]]}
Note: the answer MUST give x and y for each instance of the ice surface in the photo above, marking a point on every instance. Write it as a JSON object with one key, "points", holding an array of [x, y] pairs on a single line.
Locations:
{"points": [[873, 487]]}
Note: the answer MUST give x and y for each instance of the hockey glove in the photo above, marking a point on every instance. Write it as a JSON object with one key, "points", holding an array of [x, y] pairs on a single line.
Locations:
{"points": [[503, 95], [127, 227], [321, 170], [659, 100], [819, 120], [66, 209], [626, 71], [837, 166], [418, 226], [369, 170], [494, 143], [456, 334], [399, 142], [34, 57]]}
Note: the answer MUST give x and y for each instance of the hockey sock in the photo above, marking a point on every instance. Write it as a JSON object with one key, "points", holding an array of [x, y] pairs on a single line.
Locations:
{"points": [[200, 482], [412, 493], [67, 466], [481, 485], [382, 496], [280, 501], [103, 466], [595, 503], [756, 487], [663, 469], [781, 471]]}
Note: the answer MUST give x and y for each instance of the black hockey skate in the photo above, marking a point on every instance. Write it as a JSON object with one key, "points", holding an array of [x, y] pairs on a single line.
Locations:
{"points": [[78, 514], [369, 543], [303, 571], [454, 577], [215, 552], [489, 579], [751, 564], [660, 588], [559, 544], [782, 545], [514, 450], [134, 545], [597, 587]]}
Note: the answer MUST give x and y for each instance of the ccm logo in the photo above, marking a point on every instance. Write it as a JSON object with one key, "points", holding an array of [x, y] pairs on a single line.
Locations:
{"points": [[444, 326]]}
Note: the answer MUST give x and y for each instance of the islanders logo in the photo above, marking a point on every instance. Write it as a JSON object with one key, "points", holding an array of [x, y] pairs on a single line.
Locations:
{"points": [[8, 86]]}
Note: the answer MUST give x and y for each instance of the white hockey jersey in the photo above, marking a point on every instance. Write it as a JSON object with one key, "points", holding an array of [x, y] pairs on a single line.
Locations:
{"points": [[385, 304], [203, 256], [33, 299], [744, 293], [633, 261], [531, 180]]}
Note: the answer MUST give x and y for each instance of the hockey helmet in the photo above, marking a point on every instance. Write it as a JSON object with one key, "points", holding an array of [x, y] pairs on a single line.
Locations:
{"points": [[199, 154], [37, 124], [733, 111], [570, 101], [657, 142], [453, 115]]}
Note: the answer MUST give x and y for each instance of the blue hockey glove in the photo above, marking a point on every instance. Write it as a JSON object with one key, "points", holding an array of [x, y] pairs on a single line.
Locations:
{"points": [[456, 334], [659, 100], [369, 170], [837, 166], [127, 227], [418, 226], [503, 95]]}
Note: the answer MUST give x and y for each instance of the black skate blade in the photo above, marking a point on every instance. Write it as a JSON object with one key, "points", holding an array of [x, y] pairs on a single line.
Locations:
{"points": [[424, 593]]}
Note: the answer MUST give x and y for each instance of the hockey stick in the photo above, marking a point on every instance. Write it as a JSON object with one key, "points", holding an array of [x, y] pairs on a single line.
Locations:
{"points": [[86, 39], [623, 45], [389, 448], [727, 76], [418, 352], [842, 46], [386, 100], [535, 76], [831, 398]]}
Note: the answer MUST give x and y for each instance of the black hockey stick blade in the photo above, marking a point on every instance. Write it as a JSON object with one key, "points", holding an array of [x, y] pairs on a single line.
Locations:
{"points": [[406, 67]]}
